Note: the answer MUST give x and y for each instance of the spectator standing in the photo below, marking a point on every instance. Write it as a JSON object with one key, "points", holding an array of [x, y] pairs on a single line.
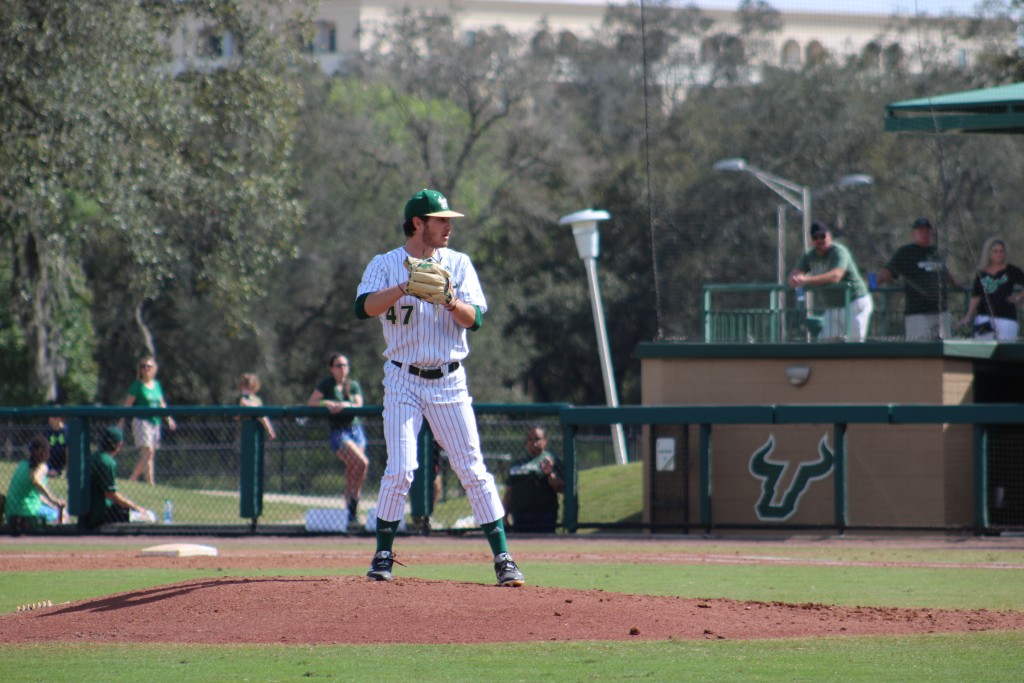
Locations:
{"points": [[248, 388], [534, 485], [57, 436], [146, 392], [30, 504], [926, 282], [338, 392], [106, 503], [993, 306], [830, 263], [424, 377]]}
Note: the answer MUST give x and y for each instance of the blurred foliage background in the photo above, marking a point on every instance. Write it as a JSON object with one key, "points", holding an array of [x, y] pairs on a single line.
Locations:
{"points": [[221, 218]]}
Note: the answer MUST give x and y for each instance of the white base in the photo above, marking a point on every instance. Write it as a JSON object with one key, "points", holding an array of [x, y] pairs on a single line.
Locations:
{"points": [[179, 550]]}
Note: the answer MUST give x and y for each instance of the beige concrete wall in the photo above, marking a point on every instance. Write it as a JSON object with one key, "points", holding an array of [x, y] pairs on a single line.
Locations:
{"points": [[897, 475]]}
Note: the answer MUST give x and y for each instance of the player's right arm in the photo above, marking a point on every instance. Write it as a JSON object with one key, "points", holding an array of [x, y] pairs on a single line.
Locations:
{"points": [[378, 302], [374, 295]]}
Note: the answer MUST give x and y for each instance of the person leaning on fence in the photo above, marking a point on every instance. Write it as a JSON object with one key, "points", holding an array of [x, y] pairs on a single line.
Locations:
{"points": [[106, 503], [339, 392], [926, 283], [248, 388], [30, 504], [830, 263], [993, 306], [146, 392], [533, 487]]}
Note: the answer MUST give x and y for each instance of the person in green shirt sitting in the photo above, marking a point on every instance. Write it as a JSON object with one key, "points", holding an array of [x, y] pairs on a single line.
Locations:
{"points": [[30, 504], [106, 503]]}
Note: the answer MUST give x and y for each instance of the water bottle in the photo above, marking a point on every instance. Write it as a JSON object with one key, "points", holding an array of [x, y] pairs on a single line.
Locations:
{"points": [[168, 511], [801, 295]]}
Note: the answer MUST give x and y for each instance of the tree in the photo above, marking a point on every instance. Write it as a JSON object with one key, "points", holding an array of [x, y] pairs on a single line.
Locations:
{"points": [[176, 170], [421, 108], [78, 122]]}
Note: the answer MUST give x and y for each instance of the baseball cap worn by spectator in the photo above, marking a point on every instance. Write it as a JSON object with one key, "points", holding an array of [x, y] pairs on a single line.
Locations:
{"points": [[429, 203], [818, 229], [112, 436], [921, 222]]}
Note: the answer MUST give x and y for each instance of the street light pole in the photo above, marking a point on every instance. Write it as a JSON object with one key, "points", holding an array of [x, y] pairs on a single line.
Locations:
{"points": [[796, 195], [584, 231]]}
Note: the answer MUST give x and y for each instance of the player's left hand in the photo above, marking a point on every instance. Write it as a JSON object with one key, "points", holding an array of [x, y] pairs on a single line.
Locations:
{"points": [[428, 281]]}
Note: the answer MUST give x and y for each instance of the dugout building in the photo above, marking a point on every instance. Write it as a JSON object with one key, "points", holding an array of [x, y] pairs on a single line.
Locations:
{"points": [[897, 476]]}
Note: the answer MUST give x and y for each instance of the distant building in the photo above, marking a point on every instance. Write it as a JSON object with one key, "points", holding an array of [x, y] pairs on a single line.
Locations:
{"points": [[345, 27]]}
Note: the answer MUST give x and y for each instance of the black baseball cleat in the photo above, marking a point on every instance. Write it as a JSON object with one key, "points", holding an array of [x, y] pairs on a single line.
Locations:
{"points": [[507, 572], [380, 566]]}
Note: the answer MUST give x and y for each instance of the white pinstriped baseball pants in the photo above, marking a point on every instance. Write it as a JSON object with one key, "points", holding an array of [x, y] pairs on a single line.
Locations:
{"points": [[448, 407]]}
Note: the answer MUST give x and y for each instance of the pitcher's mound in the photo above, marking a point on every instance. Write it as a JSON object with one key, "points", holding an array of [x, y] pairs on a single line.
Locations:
{"points": [[351, 609]]}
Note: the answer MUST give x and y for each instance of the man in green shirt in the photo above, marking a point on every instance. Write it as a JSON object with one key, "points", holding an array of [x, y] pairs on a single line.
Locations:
{"points": [[830, 263], [106, 503]]}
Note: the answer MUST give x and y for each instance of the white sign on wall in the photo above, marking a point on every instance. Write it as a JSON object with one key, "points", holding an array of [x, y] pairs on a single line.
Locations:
{"points": [[665, 454]]}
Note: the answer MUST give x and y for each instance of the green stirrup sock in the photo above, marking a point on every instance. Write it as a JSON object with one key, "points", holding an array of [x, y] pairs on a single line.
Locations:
{"points": [[495, 532], [386, 534]]}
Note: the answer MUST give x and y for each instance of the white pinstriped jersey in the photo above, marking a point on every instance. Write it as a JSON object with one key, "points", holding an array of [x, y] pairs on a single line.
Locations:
{"points": [[415, 331]]}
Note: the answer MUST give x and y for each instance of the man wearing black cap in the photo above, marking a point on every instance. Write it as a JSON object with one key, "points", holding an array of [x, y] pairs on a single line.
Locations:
{"points": [[926, 279], [830, 263]]}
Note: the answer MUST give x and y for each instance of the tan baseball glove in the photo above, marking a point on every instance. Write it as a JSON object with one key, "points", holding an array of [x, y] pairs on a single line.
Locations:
{"points": [[429, 281]]}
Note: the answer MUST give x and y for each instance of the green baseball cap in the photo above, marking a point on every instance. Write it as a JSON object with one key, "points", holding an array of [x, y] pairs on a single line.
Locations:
{"points": [[429, 203], [114, 434]]}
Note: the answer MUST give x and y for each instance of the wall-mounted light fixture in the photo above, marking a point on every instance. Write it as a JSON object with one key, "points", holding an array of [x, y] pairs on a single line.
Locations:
{"points": [[798, 374]]}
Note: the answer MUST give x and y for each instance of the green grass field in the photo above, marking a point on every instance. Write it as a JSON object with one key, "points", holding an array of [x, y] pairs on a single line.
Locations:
{"points": [[829, 574], [947, 657]]}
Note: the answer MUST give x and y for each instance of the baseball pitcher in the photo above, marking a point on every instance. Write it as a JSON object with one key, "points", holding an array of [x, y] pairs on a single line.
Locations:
{"points": [[427, 297]]}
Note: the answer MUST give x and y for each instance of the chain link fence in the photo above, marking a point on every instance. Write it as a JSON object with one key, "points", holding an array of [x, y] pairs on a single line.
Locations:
{"points": [[199, 481]]}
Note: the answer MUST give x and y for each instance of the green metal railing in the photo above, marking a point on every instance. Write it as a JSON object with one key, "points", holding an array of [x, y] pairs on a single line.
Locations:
{"points": [[772, 313]]}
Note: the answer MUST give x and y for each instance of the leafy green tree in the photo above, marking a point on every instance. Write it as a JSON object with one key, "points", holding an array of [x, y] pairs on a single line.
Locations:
{"points": [[86, 111], [185, 177], [423, 107]]}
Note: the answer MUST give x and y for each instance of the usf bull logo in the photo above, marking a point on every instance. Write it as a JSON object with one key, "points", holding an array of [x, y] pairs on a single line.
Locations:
{"points": [[771, 475]]}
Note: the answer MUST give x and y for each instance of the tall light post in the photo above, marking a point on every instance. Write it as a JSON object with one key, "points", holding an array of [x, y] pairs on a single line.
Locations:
{"points": [[796, 195], [584, 231]]}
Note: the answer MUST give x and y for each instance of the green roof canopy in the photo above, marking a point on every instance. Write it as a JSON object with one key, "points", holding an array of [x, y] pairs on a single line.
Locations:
{"points": [[989, 110]]}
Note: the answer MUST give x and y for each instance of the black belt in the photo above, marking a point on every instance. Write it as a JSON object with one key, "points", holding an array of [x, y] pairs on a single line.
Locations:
{"points": [[434, 373]]}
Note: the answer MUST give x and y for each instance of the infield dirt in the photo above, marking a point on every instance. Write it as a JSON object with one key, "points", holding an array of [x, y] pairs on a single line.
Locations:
{"points": [[351, 609]]}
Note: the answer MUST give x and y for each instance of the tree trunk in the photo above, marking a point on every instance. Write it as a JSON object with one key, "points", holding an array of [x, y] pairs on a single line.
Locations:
{"points": [[32, 303]]}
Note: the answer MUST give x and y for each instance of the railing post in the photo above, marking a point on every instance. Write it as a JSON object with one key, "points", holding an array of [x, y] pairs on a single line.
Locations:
{"points": [[420, 495], [709, 335], [570, 500], [981, 477], [839, 470], [250, 493], [848, 299], [78, 465], [705, 477]]}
